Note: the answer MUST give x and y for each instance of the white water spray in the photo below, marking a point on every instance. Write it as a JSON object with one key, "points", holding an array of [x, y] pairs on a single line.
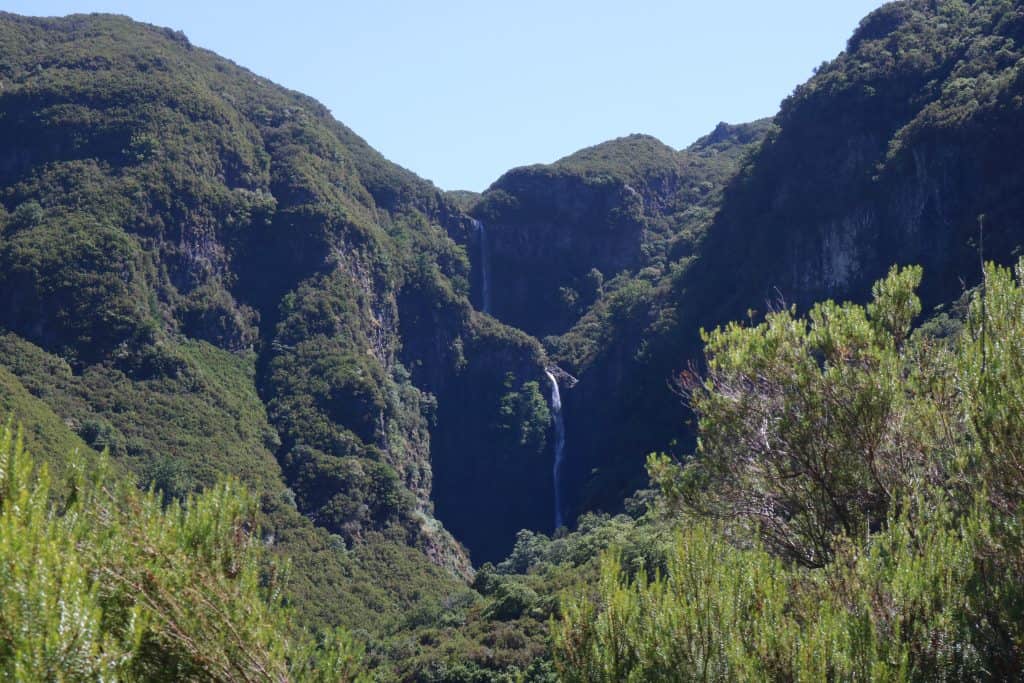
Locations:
{"points": [[485, 266], [556, 410]]}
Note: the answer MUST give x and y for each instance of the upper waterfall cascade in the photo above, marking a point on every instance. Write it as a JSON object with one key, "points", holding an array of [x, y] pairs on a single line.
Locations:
{"points": [[485, 266]]}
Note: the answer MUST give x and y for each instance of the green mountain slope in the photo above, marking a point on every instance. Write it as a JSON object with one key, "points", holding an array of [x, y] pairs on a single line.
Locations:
{"points": [[46, 432], [223, 266], [207, 274]]}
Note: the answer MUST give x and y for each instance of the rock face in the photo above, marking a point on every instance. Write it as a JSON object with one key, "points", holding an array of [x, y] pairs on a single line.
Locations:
{"points": [[547, 230], [888, 155], [491, 449], [557, 232], [155, 196], [488, 442]]}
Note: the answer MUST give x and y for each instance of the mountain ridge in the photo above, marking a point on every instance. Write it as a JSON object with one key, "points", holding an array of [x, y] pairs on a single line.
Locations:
{"points": [[206, 274]]}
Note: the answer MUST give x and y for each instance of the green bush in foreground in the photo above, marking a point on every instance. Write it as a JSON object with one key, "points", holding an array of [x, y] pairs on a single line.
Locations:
{"points": [[105, 583], [852, 512], [889, 612]]}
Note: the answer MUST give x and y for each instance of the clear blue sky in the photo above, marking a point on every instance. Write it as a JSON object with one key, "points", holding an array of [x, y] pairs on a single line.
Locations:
{"points": [[461, 91]]}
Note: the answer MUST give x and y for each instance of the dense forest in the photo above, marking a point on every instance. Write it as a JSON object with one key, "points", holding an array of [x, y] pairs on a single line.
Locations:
{"points": [[274, 408]]}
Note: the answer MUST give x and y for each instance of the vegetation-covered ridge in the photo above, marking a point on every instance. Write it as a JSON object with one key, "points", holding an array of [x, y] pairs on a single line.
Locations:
{"points": [[207, 274], [850, 512], [626, 207], [581, 251]]}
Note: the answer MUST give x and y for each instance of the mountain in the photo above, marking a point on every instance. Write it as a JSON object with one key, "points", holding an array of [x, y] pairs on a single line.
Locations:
{"points": [[254, 276], [887, 155], [558, 232], [206, 274]]}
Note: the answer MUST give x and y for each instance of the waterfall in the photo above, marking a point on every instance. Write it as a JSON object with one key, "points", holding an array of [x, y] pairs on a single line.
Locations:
{"points": [[485, 266], [556, 409]]}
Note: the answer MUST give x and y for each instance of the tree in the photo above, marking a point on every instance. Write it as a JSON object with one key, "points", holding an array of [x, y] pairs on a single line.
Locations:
{"points": [[805, 423]]}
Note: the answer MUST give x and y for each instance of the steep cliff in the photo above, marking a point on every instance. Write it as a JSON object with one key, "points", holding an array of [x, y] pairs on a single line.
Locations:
{"points": [[889, 154], [558, 232]]}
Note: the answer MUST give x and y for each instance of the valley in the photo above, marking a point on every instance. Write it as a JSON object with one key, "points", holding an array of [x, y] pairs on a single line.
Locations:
{"points": [[443, 403]]}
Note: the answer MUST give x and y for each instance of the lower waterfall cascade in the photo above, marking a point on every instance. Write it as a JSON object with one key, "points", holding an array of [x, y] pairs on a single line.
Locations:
{"points": [[556, 411]]}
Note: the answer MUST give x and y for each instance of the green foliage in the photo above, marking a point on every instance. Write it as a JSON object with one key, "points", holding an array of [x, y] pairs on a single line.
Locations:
{"points": [[640, 545], [167, 425], [991, 371], [524, 414], [201, 271], [77, 283], [892, 611], [44, 431], [500, 630], [349, 494], [27, 215], [920, 104], [326, 397], [851, 513], [690, 626], [211, 404], [809, 428], [107, 583], [629, 205], [895, 305]]}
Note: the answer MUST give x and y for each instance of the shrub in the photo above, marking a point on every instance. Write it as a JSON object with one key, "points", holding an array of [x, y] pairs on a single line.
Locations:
{"points": [[107, 583]]}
